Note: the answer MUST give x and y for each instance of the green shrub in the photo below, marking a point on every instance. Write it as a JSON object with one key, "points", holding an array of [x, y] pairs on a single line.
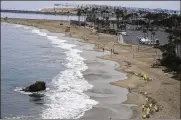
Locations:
{"points": [[170, 60]]}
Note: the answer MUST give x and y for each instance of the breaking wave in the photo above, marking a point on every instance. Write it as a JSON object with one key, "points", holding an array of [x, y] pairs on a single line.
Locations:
{"points": [[66, 99]]}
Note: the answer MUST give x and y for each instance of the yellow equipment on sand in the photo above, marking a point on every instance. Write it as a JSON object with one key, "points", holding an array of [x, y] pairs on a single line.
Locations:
{"points": [[144, 116], [156, 108]]}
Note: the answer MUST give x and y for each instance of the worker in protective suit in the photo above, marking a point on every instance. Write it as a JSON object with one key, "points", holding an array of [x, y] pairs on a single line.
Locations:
{"points": [[150, 105], [143, 107], [156, 108], [148, 112], [144, 77], [144, 116]]}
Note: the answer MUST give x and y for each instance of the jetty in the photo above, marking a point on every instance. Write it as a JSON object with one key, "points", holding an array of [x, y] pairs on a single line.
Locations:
{"points": [[37, 12]]}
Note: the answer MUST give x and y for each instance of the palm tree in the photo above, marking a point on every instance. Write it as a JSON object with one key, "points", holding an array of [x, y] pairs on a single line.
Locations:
{"points": [[79, 14], [94, 11], [144, 31], [97, 22], [134, 15], [92, 15], [148, 25], [170, 38], [125, 12], [119, 14], [85, 11], [153, 34], [107, 21], [104, 15], [68, 15]]}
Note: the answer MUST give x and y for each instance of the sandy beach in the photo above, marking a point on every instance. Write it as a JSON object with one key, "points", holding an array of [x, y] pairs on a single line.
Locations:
{"points": [[163, 89]]}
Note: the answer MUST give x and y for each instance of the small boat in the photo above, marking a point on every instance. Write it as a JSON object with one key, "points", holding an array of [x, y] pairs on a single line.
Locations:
{"points": [[147, 41], [124, 33]]}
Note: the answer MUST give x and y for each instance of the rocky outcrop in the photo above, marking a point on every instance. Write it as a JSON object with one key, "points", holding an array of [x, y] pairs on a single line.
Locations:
{"points": [[37, 86]]}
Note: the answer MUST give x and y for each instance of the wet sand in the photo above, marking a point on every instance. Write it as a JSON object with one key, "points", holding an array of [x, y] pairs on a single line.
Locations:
{"points": [[163, 89], [100, 73]]}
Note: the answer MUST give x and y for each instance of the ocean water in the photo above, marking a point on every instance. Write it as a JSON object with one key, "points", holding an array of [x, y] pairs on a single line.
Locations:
{"points": [[29, 54]]}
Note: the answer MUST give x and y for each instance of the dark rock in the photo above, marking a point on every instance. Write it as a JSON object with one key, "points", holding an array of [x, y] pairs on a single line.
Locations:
{"points": [[38, 86], [5, 18], [36, 95]]}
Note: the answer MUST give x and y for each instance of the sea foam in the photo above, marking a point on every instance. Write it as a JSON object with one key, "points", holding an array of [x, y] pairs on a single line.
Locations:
{"points": [[66, 99], [19, 89], [22, 26]]}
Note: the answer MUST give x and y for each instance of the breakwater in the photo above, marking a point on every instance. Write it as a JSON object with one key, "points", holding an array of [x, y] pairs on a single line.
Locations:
{"points": [[37, 12]]}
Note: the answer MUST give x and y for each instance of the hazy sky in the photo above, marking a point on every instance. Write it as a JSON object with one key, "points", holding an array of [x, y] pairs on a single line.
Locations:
{"points": [[172, 5]]}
